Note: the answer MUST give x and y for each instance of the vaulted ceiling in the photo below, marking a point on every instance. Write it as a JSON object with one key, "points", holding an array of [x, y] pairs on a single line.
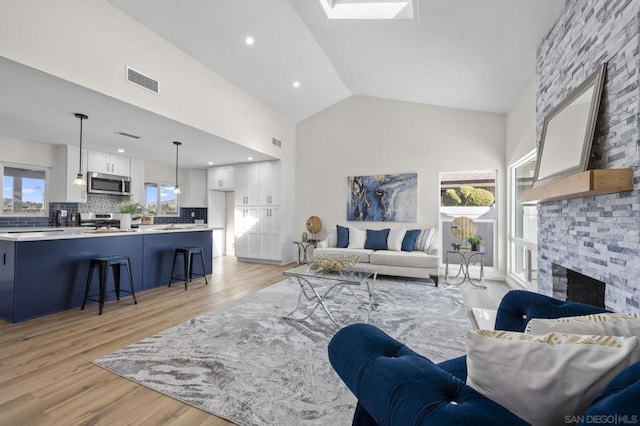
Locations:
{"points": [[458, 53]]}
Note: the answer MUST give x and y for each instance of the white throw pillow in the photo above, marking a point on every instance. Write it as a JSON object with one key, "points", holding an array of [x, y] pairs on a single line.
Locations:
{"points": [[430, 238], [332, 237], [544, 379], [609, 324], [394, 240], [357, 238], [425, 239]]}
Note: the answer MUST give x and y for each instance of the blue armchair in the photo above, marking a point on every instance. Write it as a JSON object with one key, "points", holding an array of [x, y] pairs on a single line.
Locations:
{"points": [[396, 386]]}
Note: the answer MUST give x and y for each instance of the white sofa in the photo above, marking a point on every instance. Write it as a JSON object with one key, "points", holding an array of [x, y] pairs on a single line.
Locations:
{"points": [[422, 262]]}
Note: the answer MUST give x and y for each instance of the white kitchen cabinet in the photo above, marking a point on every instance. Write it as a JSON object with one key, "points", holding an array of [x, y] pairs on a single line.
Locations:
{"points": [[269, 238], [270, 182], [247, 233], [194, 188], [270, 233], [258, 183], [104, 162], [247, 188], [137, 181], [221, 178], [67, 165]]}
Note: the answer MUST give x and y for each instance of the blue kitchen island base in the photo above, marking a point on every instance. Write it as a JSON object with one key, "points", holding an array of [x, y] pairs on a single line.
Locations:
{"points": [[40, 277]]}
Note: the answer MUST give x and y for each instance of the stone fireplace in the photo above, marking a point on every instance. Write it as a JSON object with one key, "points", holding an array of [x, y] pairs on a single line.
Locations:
{"points": [[596, 236]]}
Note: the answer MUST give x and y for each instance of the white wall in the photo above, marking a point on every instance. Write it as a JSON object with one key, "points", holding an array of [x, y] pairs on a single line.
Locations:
{"points": [[159, 173], [89, 42], [521, 124], [27, 153], [363, 135], [23, 152]]}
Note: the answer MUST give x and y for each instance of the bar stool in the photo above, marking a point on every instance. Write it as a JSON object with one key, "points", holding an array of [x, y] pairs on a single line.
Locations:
{"points": [[187, 256], [115, 262]]}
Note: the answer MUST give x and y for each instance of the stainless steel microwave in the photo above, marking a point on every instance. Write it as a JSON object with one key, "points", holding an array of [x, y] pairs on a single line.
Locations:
{"points": [[100, 183]]}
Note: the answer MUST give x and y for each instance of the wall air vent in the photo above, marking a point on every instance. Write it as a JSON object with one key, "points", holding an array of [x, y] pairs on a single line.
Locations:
{"points": [[129, 135], [141, 80], [276, 142]]}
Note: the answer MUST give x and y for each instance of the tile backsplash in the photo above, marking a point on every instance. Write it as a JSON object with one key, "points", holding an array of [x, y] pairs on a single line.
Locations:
{"points": [[96, 203], [102, 203]]}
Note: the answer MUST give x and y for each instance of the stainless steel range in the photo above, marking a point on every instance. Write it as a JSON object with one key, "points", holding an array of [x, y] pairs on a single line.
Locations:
{"points": [[101, 220]]}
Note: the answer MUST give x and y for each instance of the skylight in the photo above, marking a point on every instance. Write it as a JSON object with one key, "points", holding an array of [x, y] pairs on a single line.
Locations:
{"points": [[368, 9]]}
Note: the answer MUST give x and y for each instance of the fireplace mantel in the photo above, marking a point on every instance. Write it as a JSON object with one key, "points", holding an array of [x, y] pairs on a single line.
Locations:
{"points": [[585, 184]]}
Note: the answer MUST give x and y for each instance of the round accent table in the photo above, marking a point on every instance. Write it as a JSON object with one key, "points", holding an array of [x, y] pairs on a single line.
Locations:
{"points": [[302, 249], [466, 258]]}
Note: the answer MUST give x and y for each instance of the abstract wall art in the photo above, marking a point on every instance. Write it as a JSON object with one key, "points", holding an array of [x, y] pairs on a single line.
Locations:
{"points": [[383, 198]]}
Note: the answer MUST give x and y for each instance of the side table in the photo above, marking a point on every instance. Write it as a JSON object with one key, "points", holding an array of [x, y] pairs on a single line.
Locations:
{"points": [[302, 249], [466, 256]]}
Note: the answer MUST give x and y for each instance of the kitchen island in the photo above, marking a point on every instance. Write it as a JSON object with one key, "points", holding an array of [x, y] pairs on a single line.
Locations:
{"points": [[45, 271]]}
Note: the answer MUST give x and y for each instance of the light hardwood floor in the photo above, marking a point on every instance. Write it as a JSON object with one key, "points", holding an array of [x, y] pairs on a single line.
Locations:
{"points": [[46, 375]]}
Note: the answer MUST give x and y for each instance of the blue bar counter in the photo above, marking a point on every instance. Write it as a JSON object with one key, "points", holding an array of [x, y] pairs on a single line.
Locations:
{"points": [[43, 272]]}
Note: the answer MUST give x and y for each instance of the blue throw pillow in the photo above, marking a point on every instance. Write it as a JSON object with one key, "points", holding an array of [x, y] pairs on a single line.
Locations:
{"points": [[409, 242], [377, 240], [343, 236]]}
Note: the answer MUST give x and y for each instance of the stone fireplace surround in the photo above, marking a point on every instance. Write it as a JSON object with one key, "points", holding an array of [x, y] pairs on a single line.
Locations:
{"points": [[596, 236]]}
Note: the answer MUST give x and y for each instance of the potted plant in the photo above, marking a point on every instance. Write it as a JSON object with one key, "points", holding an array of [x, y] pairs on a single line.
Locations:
{"points": [[475, 241], [134, 209]]}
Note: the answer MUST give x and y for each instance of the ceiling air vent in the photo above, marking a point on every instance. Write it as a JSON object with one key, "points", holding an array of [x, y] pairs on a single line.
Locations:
{"points": [[276, 142], [128, 135], [139, 79]]}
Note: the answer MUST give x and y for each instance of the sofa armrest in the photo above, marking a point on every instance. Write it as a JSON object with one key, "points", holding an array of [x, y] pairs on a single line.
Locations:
{"points": [[396, 386], [519, 306]]}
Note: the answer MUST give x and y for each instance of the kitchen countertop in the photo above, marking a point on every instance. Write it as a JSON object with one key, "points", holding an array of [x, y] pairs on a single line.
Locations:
{"points": [[63, 233]]}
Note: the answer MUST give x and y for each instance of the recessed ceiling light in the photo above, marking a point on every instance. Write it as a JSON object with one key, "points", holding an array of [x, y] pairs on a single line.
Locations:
{"points": [[296, 84], [250, 158], [368, 9], [249, 40], [120, 150], [210, 163]]}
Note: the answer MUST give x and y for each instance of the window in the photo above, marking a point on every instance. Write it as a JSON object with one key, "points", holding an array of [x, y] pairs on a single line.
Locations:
{"points": [[471, 194], [23, 191], [523, 229], [160, 199]]}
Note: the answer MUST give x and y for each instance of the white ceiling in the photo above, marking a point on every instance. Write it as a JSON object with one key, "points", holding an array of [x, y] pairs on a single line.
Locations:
{"points": [[39, 107], [459, 53]]}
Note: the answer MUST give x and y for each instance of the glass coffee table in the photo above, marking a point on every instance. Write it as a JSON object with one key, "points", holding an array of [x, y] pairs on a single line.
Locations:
{"points": [[317, 284]]}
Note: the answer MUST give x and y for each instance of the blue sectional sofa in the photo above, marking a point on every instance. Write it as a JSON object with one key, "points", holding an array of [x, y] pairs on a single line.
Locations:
{"points": [[397, 386]]}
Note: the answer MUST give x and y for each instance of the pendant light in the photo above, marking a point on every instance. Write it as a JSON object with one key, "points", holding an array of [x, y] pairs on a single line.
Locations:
{"points": [[176, 189], [79, 180]]}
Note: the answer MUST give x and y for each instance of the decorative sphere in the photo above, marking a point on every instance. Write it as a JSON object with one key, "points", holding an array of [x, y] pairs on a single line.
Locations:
{"points": [[314, 224]]}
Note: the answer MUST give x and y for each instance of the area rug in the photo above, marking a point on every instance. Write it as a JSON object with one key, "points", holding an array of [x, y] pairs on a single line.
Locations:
{"points": [[245, 363]]}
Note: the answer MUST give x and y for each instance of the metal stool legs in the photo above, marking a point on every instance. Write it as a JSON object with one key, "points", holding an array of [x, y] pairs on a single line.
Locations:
{"points": [[102, 263], [187, 256]]}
